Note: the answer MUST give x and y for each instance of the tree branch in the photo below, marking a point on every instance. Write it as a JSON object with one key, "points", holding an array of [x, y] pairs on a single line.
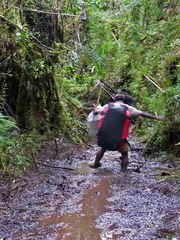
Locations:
{"points": [[153, 82]]}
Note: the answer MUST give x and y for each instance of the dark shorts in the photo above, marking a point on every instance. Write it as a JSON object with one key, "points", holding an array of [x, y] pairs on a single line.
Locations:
{"points": [[122, 147]]}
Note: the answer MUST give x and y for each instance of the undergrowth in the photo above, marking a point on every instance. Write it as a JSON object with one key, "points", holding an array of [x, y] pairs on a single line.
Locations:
{"points": [[14, 147], [128, 44]]}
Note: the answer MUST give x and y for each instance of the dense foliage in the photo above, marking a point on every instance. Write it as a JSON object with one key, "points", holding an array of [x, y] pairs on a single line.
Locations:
{"points": [[15, 149], [53, 52]]}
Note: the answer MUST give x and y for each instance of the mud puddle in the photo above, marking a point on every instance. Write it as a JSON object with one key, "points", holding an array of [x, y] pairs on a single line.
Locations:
{"points": [[91, 204], [81, 225]]}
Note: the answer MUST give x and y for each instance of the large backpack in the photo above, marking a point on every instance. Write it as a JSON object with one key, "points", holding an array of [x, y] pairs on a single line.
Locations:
{"points": [[113, 126]]}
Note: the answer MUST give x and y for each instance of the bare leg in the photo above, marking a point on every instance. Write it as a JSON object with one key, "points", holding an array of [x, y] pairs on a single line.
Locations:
{"points": [[124, 161], [99, 155]]}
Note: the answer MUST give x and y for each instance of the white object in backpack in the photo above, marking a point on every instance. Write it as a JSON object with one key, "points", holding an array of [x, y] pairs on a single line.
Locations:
{"points": [[92, 123]]}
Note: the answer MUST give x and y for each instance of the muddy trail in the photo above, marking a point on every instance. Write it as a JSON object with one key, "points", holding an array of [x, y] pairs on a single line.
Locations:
{"points": [[70, 201]]}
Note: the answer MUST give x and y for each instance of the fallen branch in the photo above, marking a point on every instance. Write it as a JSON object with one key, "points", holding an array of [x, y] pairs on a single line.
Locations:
{"points": [[58, 167], [153, 82], [116, 39], [79, 110]]}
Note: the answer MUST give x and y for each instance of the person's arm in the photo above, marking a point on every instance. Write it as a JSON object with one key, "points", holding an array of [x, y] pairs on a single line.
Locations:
{"points": [[151, 116], [136, 113]]}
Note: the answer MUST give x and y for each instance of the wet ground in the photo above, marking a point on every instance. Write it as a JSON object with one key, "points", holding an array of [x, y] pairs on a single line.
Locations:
{"points": [[64, 199]]}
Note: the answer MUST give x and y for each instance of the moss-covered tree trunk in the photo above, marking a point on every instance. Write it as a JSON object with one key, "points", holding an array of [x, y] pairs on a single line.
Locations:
{"points": [[28, 88], [37, 105]]}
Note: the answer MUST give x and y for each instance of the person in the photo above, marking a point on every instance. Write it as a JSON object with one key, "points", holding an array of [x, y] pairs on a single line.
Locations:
{"points": [[104, 140]]}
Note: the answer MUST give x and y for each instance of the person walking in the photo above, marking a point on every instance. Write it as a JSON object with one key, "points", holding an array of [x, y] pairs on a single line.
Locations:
{"points": [[113, 127]]}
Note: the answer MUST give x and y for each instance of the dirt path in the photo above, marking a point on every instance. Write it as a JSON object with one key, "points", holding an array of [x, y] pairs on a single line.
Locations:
{"points": [[91, 204]]}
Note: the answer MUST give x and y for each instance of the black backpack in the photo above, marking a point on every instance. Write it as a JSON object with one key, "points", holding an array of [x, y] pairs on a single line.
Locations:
{"points": [[113, 127]]}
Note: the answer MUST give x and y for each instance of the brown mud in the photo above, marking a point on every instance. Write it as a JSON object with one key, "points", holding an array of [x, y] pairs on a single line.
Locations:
{"points": [[52, 203]]}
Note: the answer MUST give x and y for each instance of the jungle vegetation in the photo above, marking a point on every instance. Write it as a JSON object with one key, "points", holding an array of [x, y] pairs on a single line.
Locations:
{"points": [[53, 52]]}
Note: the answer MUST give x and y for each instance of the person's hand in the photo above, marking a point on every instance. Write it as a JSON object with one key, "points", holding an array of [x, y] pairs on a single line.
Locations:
{"points": [[162, 118]]}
